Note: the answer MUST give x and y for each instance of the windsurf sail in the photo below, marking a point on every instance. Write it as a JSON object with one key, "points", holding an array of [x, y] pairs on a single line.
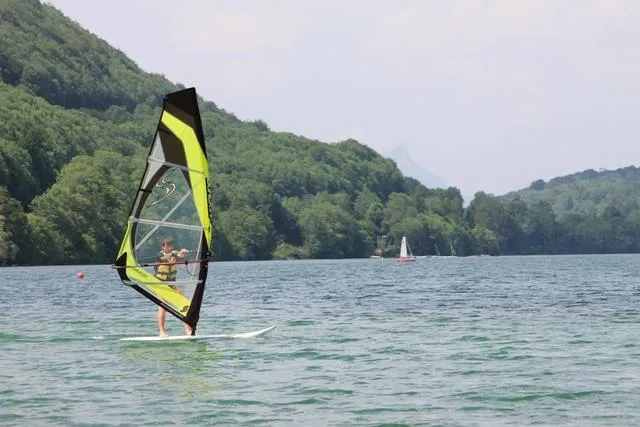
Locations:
{"points": [[172, 201]]}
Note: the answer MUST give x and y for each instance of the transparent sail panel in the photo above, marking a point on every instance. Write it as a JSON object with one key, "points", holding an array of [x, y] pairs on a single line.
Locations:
{"points": [[169, 213], [183, 275]]}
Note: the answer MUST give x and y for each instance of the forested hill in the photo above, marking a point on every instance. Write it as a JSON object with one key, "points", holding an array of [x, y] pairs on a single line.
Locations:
{"points": [[586, 192], [76, 121]]}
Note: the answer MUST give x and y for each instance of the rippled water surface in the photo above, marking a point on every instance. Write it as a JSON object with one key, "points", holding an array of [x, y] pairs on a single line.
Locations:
{"points": [[460, 341]]}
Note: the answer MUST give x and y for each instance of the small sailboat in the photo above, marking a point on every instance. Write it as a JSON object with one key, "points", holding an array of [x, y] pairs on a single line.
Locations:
{"points": [[451, 249], [405, 252]]}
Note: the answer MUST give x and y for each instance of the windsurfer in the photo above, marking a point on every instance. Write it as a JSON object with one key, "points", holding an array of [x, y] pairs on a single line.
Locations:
{"points": [[167, 271]]}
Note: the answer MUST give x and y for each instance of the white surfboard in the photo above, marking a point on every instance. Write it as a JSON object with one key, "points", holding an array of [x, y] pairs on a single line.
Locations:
{"points": [[202, 337]]}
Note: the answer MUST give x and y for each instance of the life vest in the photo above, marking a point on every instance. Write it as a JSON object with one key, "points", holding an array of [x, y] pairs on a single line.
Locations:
{"points": [[167, 272]]}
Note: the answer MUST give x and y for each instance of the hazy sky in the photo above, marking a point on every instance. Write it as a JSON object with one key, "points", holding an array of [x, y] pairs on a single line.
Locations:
{"points": [[489, 95]]}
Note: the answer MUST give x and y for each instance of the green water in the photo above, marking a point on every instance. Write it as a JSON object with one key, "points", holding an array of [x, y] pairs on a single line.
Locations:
{"points": [[456, 342]]}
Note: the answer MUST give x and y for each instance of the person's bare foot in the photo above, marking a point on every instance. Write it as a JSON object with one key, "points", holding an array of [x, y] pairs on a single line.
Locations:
{"points": [[187, 330], [164, 334]]}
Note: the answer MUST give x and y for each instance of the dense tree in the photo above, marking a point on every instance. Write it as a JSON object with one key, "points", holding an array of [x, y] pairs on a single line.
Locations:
{"points": [[15, 235], [248, 234], [88, 206], [330, 232]]}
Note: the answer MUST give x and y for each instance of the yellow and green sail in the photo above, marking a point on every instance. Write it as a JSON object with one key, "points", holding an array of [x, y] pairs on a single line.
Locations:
{"points": [[172, 201]]}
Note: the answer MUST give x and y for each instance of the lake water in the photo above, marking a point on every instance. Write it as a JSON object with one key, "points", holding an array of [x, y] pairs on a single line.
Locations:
{"points": [[458, 342]]}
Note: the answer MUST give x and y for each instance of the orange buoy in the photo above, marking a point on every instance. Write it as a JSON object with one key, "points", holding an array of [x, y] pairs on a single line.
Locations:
{"points": [[80, 275]]}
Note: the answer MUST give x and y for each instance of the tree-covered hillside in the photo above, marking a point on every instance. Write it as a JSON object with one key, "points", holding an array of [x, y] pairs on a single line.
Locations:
{"points": [[586, 192], [49, 56], [76, 121], [78, 115]]}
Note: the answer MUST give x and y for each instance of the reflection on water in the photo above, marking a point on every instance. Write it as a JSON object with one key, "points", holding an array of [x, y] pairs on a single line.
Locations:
{"points": [[185, 367]]}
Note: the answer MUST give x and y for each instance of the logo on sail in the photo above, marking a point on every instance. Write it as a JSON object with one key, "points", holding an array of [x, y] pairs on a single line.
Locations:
{"points": [[168, 187]]}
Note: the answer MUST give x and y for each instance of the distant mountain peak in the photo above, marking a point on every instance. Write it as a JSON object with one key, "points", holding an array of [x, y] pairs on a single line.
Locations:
{"points": [[401, 151], [401, 155]]}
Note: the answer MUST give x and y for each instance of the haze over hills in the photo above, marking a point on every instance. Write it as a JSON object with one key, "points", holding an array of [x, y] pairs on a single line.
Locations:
{"points": [[409, 167], [400, 154], [480, 120], [76, 120]]}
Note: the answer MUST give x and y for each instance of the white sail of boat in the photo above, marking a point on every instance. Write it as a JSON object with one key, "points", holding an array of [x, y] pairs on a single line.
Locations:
{"points": [[405, 251]]}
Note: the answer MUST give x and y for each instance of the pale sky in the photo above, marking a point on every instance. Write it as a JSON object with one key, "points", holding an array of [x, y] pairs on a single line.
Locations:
{"points": [[488, 94]]}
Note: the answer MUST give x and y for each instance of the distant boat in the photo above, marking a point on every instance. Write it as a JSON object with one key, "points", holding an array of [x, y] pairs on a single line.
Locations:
{"points": [[377, 255], [405, 252], [451, 248], [453, 251], [438, 255]]}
